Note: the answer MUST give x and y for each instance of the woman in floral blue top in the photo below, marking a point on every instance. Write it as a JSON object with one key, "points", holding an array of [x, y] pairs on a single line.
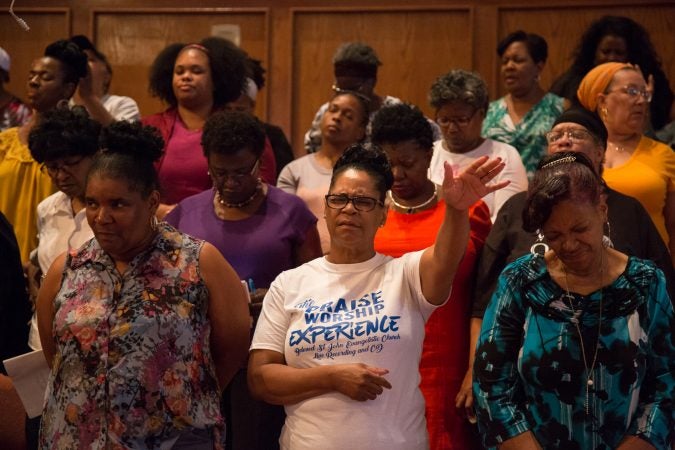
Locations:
{"points": [[523, 116], [576, 349], [142, 324]]}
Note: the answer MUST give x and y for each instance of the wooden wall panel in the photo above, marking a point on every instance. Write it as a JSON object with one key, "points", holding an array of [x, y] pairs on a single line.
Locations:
{"points": [[561, 27], [46, 25], [415, 46], [132, 38]]}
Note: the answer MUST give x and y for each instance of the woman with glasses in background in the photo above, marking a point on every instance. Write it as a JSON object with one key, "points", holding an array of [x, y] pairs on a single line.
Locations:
{"points": [[460, 99], [261, 231], [339, 338], [527, 111], [634, 165]]}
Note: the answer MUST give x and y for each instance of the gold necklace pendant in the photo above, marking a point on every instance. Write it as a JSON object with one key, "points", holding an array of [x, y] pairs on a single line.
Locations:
{"points": [[415, 208]]}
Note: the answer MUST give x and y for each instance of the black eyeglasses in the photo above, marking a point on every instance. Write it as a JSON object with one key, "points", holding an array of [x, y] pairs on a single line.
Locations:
{"points": [[363, 204], [53, 168], [237, 175]]}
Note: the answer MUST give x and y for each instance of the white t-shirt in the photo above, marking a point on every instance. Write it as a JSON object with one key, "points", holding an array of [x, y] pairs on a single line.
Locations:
{"points": [[514, 170], [310, 181], [371, 312], [58, 231]]}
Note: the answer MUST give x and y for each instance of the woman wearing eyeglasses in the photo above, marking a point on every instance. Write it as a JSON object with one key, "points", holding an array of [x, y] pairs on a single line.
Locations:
{"points": [[339, 338], [343, 124], [635, 165], [460, 99], [261, 231]]}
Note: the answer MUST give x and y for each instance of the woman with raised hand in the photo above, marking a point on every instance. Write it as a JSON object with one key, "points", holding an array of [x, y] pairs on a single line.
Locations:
{"points": [[339, 338], [143, 325]]}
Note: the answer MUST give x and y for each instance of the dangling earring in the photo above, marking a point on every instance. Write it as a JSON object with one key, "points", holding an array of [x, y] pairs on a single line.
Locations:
{"points": [[607, 238], [539, 247], [603, 113], [154, 223]]}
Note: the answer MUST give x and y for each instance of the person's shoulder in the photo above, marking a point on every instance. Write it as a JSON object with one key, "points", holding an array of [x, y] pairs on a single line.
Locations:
{"points": [[196, 202], [158, 118], [55, 200], [524, 270], [501, 149], [284, 199]]}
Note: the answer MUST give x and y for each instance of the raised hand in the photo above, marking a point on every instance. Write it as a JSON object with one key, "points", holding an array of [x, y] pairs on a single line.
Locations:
{"points": [[461, 191], [359, 381]]}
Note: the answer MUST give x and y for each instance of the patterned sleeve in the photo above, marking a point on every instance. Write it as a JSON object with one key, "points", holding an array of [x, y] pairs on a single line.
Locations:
{"points": [[654, 419], [496, 383]]}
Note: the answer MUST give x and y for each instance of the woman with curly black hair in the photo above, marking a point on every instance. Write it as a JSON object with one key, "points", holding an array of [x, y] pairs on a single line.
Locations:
{"points": [[340, 337], [619, 39], [142, 325], [52, 79], [195, 80]]}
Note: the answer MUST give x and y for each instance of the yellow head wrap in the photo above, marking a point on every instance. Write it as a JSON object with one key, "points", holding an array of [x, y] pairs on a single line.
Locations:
{"points": [[596, 81]]}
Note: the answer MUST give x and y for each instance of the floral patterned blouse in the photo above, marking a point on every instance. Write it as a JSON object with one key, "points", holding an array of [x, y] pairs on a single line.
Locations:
{"points": [[133, 367], [529, 373], [528, 137]]}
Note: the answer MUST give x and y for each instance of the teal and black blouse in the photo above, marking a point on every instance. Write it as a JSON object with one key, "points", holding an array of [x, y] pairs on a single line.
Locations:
{"points": [[529, 372]]}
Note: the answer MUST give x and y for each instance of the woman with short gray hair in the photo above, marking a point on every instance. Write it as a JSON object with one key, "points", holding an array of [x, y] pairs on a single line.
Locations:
{"points": [[460, 100]]}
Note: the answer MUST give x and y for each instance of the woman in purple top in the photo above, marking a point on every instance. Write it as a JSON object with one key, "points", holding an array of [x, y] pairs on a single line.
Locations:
{"points": [[261, 231]]}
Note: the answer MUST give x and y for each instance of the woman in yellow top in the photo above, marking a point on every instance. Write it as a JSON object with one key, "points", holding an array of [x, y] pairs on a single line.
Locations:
{"points": [[52, 79], [634, 164]]}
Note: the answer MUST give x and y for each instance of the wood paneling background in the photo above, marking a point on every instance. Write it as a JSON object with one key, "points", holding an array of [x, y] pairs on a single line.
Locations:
{"points": [[296, 40]]}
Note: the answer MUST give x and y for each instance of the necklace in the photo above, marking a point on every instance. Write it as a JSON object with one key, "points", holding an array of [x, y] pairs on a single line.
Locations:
{"points": [[575, 320], [258, 190], [615, 147], [413, 209]]}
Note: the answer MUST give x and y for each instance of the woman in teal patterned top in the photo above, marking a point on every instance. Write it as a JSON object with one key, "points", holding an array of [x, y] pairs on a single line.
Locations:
{"points": [[576, 349], [526, 112]]}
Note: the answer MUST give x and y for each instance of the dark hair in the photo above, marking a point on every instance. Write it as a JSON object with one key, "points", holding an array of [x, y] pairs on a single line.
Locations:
{"points": [[360, 99], [72, 59], [640, 51], [399, 123], [228, 70], [559, 177], [459, 86], [84, 43], [356, 59], [256, 72], [128, 152], [370, 159], [64, 132], [536, 45], [226, 133]]}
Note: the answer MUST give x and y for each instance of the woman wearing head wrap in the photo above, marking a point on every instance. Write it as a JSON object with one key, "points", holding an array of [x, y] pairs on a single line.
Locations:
{"points": [[634, 164]]}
